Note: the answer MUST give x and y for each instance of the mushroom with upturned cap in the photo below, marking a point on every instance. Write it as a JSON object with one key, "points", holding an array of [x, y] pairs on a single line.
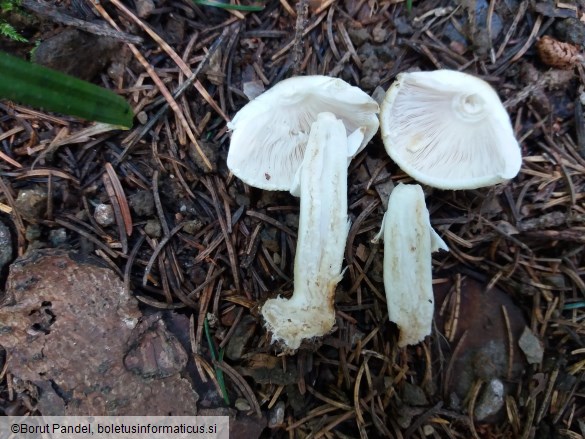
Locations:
{"points": [[449, 130], [270, 133], [300, 136]]}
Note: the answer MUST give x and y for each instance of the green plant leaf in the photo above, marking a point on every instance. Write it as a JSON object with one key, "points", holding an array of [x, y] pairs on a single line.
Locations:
{"points": [[38, 86]]}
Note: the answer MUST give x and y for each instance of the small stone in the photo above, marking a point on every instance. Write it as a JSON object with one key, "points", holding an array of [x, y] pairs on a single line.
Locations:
{"points": [[531, 346], [276, 418], [77, 53], [414, 395], [58, 237], [104, 215], [370, 81], [32, 203], [428, 430], [491, 400], [153, 228], [193, 226], [403, 27], [32, 233], [142, 117], [144, 8], [358, 36], [379, 34], [142, 203], [242, 405], [154, 351], [253, 89]]}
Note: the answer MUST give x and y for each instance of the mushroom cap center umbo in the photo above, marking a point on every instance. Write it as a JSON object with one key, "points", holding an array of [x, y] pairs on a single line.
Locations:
{"points": [[469, 107]]}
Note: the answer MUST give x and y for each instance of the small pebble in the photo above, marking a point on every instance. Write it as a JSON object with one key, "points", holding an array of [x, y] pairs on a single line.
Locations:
{"points": [[144, 8], [253, 89], [413, 395], [32, 203], [193, 226], [379, 34], [491, 400], [58, 237], [32, 233], [276, 415], [531, 346], [142, 117], [104, 215], [142, 203], [242, 405], [153, 228], [358, 36]]}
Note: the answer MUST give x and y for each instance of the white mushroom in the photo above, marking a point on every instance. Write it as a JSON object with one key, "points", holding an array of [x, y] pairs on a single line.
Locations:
{"points": [[409, 241], [449, 130], [270, 133], [323, 229]]}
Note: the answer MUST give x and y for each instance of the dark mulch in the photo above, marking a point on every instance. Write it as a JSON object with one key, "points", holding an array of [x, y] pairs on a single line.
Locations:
{"points": [[195, 240]]}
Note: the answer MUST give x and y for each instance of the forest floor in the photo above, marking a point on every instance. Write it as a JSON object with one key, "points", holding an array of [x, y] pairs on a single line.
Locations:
{"points": [[201, 251]]}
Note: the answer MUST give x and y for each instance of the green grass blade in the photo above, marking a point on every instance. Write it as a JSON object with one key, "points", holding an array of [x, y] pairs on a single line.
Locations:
{"points": [[218, 371], [220, 379], [218, 4], [38, 86]]}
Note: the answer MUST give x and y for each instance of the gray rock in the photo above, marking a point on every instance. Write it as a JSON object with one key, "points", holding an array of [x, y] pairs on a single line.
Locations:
{"points": [[76, 53], [142, 203], [276, 417], [32, 203], [32, 232], [153, 228], [358, 36], [104, 215], [490, 401], [242, 405], [67, 325], [58, 237], [531, 346], [144, 7], [414, 395]]}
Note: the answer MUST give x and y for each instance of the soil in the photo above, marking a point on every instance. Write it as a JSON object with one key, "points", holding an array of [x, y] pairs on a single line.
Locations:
{"points": [[184, 271]]}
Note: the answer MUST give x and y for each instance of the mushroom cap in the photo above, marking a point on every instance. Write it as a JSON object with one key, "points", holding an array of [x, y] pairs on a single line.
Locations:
{"points": [[449, 130], [270, 133]]}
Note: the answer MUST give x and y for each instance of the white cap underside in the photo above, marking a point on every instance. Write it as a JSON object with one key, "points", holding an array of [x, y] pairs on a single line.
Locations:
{"points": [[428, 138], [270, 133]]}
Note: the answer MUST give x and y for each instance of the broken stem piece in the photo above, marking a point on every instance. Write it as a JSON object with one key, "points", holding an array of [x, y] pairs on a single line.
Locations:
{"points": [[409, 241]]}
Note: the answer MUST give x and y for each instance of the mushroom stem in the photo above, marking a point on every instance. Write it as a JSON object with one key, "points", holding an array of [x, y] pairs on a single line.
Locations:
{"points": [[409, 241], [323, 230]]}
